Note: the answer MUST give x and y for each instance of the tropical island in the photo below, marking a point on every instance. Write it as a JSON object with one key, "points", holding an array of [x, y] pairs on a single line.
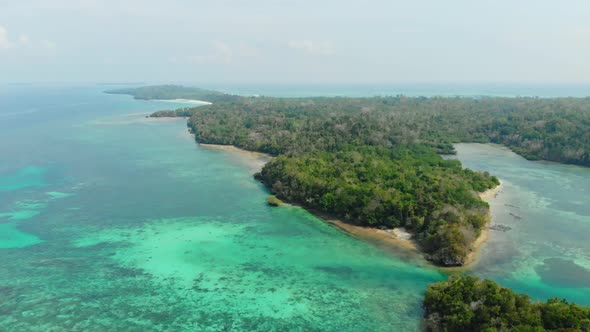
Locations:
{"points": [[376, 162]]}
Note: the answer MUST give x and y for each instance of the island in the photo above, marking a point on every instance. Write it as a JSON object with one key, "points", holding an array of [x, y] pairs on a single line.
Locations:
{"points": [[472, 304], [172, 92], [375, 162]]}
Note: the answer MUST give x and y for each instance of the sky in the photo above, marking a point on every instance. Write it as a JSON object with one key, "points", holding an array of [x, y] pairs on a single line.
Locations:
{"points": [[289, 41]]}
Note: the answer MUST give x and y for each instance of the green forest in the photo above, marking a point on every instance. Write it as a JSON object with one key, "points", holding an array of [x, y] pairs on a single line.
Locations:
{"points": [[548, 129], [375, 161], [472, 304], [165, 92], [404, 186]]}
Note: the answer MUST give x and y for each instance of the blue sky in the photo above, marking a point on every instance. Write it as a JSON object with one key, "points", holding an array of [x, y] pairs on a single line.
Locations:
{"points": [[286, 41]]}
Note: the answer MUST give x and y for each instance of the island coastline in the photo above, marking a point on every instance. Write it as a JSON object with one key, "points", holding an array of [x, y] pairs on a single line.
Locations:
{"points": [[386, 236], [253, 160], [396, 238]]}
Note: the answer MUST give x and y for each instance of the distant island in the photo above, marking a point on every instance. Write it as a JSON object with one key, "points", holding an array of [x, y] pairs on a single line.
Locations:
{"points": [[471, 304], [171, 92], [375, 162]]}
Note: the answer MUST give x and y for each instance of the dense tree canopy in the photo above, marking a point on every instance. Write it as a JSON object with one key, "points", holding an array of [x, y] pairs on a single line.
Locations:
{"points": [[550, 129], [409, 186], [471, 304], [164, 92]]}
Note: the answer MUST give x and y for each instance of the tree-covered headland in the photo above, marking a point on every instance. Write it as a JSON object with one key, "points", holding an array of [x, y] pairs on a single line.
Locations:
{"points": [[403, 186]]}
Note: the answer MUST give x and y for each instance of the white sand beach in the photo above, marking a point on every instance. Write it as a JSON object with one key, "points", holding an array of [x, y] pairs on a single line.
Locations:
{"points": [[187, 101]]}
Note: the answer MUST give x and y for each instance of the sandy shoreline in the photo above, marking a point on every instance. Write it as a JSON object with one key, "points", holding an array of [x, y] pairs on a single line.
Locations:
{"points": [[253, 160], [485, 231], [399, 239], [232, 148], [490, 193], [390, 237], [399, 244], [187, 101]]}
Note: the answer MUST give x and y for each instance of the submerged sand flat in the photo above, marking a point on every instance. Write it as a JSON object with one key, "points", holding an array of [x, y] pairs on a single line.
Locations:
{"points": [[232, 266], [197, 255], [16, 215], [254, 161]]}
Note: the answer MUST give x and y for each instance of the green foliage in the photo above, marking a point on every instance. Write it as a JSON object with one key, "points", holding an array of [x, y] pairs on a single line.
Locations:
{"points": [[409, 186], [550, 129], [472, 304], [166, 92]]}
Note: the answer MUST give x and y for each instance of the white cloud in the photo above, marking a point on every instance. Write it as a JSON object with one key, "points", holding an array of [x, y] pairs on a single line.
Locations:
{"points": [[311, 47], [4, 41]]}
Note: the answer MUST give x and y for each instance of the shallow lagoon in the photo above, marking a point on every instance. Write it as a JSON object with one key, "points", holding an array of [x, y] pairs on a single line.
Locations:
{"points": [[546, 253]]}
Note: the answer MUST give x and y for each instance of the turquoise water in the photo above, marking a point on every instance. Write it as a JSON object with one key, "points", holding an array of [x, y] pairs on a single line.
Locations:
{"points": [[546, 253], [110, 221]]}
